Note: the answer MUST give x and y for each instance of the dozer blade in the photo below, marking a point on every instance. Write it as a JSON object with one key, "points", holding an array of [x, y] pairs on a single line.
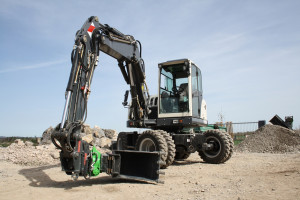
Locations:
{"points": [[135, 165]]}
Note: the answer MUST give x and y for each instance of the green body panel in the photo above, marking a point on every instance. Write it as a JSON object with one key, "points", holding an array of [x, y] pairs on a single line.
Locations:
{"points": [[96, 157], [204, 128], [208, 127]]}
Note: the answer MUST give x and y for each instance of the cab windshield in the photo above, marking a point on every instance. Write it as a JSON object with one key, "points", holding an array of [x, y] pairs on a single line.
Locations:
{"points": [[174, 95]]}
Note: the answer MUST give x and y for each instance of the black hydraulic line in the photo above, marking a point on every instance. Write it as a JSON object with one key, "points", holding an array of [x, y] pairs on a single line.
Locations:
{"points": [[73, 71], [124, 73], [85, 110], [76, 98], [140, 48]]}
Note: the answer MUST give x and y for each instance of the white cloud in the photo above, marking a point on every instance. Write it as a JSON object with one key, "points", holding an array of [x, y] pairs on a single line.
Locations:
{"points": [[34, 66]]}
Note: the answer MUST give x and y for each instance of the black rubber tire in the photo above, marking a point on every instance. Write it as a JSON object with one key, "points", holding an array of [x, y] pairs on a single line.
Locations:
{"points": [[122, 141], [223, 148], [151, 140], [181, 153], [171, 148], [182, 156], [231, 143]]}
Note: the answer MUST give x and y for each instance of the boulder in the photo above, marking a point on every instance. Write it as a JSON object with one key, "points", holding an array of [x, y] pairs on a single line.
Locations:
{"points": [[46, 137], [98, 132], [55, 155], [105, 142], [110, 133], [86, 129], [29, 143], [97, 142], [19, 142], [88, 138]]}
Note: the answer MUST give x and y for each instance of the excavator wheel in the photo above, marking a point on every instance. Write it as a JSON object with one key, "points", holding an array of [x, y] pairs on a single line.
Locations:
{"points": [[222, 147], [151, 140], [231, 143], [171, 148], [122, 141], [183, 156], [181, 153]]}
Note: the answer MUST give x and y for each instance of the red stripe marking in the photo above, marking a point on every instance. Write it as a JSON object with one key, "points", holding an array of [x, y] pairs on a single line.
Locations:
{"points": [[85, 155], [91, 28], [79, 144]]}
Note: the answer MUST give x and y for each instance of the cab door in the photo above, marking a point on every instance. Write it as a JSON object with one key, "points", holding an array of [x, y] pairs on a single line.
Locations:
{"points": [[196, 91]]}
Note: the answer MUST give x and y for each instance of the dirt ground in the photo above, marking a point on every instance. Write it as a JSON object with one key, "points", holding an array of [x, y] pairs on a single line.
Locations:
{"points": [[244, 176]]}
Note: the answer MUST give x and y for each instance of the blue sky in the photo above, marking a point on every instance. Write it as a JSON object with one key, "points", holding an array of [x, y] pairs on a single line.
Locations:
{"points": [[248, 51]]}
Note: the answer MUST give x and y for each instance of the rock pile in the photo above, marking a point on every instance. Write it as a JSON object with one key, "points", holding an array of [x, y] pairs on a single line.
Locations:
{"points": [[94, 136], [46, 153], [271, 139], [26, 154], [97, 136]]}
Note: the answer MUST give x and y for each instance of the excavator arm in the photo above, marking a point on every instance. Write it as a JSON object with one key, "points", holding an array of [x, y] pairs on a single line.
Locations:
{"points": [[76, 157], [92, 38]]}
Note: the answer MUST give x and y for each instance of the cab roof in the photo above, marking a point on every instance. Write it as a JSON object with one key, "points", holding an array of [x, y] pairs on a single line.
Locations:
{"points": [[172, 62]]}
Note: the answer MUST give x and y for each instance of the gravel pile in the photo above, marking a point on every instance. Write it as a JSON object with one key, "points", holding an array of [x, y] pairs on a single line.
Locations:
{"points": [[271, 139], [22, 154], [47, 154]]}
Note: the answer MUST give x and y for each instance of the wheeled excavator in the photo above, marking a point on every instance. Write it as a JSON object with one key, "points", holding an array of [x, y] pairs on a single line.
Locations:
{"points": [[171, 119]]}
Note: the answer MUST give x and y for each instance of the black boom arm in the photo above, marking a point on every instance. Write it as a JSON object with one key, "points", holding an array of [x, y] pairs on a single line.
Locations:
{"points": [[92, 38]]}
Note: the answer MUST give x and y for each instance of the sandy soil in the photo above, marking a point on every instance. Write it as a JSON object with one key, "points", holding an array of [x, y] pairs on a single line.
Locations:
{"points": [[244, 176]]}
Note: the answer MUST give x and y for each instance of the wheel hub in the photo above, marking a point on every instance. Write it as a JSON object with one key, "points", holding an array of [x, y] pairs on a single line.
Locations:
{"points": [[214, 147], [147, 145]]}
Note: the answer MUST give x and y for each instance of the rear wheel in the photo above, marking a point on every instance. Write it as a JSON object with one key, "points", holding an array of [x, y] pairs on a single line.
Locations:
{"points": [[222, 147], [231, 143], [181, 153], [153, 141]]}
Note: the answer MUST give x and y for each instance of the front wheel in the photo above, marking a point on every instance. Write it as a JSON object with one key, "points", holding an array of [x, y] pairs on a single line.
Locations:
{"points": [[171, 148], [221, 147], [122, 143], [153, 141]]}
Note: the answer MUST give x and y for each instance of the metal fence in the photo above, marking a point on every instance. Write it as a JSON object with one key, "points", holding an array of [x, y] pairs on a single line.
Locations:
{"points": [[243, 127], [239, 130]]}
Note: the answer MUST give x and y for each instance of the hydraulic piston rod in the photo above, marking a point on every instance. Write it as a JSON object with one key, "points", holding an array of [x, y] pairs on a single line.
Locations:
{"points": [[63, 120]]}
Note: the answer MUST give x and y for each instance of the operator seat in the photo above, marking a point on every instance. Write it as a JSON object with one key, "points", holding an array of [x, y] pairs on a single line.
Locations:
{"points": [[165, 102], [184, 92], [183, 97]]}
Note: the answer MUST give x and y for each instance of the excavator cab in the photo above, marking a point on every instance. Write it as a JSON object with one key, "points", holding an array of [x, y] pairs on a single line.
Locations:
{"points": [[180, 94]]}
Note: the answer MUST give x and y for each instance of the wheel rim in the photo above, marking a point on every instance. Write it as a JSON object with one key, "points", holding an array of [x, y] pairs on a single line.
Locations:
{"points": [[216, 147], [147, 145]]}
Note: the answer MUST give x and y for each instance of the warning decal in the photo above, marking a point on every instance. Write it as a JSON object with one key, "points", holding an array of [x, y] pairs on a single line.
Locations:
{"points": [[91, 29]]}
